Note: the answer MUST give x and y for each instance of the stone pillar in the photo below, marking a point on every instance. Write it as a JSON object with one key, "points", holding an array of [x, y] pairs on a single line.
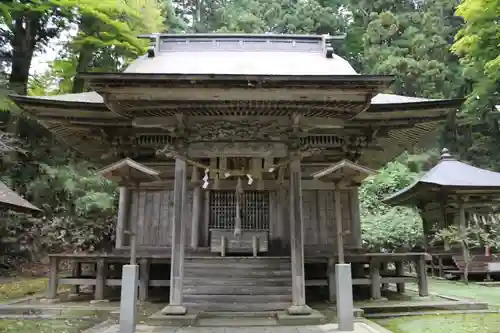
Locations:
{"points": [[195, 222], [121, 221], [299, 306], [178, 229], [355, 218]]}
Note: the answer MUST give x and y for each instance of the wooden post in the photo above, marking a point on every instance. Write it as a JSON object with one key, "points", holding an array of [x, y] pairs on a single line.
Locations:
{"points": [[400, 287], [223, 246], [100, 279], [178, 228], [255, 246], [355, 218], [144, 268], [332, 290], [299, 306], [54, 273], [375, 277], [338, 224], [121, 222], [195, 221], [423, 287]]}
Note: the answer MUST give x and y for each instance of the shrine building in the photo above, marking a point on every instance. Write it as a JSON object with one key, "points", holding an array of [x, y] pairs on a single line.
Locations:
{"points": [[254, 147]]}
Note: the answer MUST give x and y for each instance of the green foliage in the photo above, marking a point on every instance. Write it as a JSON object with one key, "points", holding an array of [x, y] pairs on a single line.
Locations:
{"points": [[478, 44], [384, 227]]}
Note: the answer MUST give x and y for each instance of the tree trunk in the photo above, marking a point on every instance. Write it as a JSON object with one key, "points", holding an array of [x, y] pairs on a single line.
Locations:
{"points": [[23, 48], [87, 27], [84, 60]]}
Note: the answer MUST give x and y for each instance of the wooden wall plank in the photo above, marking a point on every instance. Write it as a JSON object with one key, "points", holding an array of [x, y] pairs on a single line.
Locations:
{"points": [[153, 214]]}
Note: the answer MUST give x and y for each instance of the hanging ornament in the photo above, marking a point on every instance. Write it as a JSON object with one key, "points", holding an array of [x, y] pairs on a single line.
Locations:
{"points": [[227, 175], [250, 179], [271, 169], [205, 179]]}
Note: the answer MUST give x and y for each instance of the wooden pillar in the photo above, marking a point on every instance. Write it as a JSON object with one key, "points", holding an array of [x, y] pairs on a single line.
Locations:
{"points": [[355, 218], [178, 229], [195, 221], [339, 225], [123, 209], [299, 306], [144, 268], [53, 276]]}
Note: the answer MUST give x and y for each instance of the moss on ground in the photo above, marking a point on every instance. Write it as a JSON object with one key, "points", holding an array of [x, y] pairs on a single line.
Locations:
{"points": [[456, 323], [22, 287], [44, 326]]}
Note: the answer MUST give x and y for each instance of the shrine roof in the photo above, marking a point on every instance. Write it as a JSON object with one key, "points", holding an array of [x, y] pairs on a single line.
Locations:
{"points": [[449, 176], [13, 201], [240, 54]]}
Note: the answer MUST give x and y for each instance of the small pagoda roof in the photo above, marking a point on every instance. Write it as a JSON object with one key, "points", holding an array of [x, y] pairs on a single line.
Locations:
{"points": [[449, 176], [13, 201]]}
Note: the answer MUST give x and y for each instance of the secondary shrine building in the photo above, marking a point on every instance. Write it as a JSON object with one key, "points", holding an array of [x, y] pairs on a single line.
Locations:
{"points": [[260, 143]]}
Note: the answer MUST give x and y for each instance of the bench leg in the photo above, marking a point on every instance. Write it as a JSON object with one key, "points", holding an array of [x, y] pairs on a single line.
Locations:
{"points": [[332, 288], [100, 280], [53, 276], [375, 277], [76, 273], [423, 286], [144, 268], [400, 287]]}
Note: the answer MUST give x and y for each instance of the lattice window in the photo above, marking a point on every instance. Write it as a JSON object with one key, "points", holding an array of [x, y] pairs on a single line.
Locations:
{"points": [[254, 210]]}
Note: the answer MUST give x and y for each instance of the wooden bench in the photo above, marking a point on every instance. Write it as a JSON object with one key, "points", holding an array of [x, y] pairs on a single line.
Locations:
{"points": [[479, 264], [249, 241]]}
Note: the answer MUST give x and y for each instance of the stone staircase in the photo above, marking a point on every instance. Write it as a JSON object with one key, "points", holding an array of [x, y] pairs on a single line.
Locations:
{"points": [[237, 284]]}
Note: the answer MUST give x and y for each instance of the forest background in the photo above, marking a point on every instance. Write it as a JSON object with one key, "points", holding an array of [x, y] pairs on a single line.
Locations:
{"points": [[434, 48]]}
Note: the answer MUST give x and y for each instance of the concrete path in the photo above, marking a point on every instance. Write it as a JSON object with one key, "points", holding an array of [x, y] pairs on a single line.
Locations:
{"points": [[327, 328]]}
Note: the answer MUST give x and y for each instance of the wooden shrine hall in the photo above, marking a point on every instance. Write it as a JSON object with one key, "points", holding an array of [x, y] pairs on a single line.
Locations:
{"points": [[252, 149]]}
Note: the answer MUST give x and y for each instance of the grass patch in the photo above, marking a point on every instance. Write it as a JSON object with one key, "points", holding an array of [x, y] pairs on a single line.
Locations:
{"points": [[490, 295], [19, 288], [44, 326], [458, 323]]}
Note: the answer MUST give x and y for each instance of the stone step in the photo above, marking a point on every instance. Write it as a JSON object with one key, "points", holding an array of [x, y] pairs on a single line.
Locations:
{"points": [[222, 264], [235, 267], [190, 281], [231, 272], [238, 307], [237, 289], [204, 298]]}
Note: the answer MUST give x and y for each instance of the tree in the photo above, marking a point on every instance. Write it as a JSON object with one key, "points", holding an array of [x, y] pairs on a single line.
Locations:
{"points": [[478, 45], [387, 228]]}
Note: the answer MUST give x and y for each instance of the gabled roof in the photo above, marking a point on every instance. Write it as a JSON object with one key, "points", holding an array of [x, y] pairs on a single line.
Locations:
{"points": [[448, 175], [14, 201], [343, 164], [128, 170]]}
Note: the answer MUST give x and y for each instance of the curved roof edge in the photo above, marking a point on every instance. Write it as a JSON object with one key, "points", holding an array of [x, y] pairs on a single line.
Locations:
{"points": [[378, 101], [448, 174]]}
